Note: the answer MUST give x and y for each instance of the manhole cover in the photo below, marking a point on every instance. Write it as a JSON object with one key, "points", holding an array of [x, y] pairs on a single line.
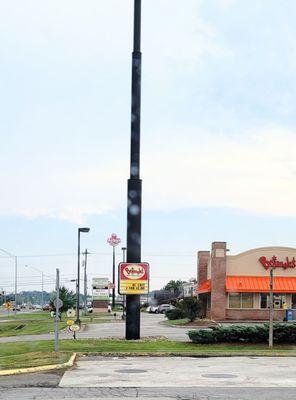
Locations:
{"points": [[131, 371], [219, 376]]}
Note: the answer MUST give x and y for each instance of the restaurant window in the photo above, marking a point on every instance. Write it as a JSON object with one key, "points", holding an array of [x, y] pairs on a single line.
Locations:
{"points": [[278, 300], [247, 300], [264, 300], [293, 300], [234, 300], [240, 300]]}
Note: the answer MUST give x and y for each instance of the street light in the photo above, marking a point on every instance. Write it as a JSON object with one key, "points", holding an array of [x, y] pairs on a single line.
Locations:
{"points": [[15, 276], [113, 240], [42, 282], [83, 230]]}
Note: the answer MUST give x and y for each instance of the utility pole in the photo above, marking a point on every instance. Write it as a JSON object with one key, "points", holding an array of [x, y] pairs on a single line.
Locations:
{"points": [[85, 281], [42, 288], [57, 318], [134, 207], [15, 284], [270, 339]]}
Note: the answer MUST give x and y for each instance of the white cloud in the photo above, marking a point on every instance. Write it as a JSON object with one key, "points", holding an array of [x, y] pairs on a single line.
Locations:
{"points": [[255, 172]]}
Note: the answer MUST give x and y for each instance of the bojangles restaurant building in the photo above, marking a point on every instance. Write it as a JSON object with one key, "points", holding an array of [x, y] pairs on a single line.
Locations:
{"points": [[236, 287]]}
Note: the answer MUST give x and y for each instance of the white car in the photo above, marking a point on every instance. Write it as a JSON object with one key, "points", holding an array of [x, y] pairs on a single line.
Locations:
{"points": [[164, 307], [152, 309]]}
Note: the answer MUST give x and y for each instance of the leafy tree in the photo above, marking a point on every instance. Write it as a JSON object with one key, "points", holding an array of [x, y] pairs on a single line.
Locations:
{"points": [[68, 298], [191, 307], [174, 286]]}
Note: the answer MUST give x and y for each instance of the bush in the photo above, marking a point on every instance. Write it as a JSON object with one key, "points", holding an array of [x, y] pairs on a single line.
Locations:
{"points": [[202, 336], [191, 307], [176, 313], [282, 333]]}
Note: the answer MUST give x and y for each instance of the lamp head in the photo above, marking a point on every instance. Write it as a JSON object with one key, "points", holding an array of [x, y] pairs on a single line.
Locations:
{"points": [[84, 230]]}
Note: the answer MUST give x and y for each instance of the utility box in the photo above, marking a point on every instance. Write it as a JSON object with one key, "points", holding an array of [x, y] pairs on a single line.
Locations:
{"points": [[289, 315]]}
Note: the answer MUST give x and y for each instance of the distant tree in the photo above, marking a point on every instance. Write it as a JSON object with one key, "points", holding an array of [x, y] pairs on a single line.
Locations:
{"points": [[68, 298], [191, 307], [174, 286]]}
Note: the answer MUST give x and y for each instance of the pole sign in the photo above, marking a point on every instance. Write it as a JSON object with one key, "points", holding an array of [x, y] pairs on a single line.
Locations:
{"points": [[100, 289], [133, 278]]}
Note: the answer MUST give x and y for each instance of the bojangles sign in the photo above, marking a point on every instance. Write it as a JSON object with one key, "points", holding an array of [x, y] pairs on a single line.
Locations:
{"points": [[275, 263], [133, 278]]}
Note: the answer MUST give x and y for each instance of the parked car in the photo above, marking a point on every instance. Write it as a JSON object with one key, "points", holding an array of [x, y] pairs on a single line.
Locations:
{"points": [[46, 307], [165, 307], [152, 309]]}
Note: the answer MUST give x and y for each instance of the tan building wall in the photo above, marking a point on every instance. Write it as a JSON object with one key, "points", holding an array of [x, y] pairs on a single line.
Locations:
{"points": [[247, 263]]}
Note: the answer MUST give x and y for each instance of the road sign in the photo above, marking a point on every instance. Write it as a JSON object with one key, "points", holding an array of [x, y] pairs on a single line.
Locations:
{"points": [[133, 278], [8, 305], [74, 328], [71, 313], [58, 304]]}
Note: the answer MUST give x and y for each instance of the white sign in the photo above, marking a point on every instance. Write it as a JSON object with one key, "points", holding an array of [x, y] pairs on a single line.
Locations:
{"points": [[100, 289]]}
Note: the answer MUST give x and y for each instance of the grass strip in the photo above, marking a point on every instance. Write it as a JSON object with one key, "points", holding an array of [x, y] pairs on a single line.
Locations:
{"points": [[35, 359], [142, 347]]}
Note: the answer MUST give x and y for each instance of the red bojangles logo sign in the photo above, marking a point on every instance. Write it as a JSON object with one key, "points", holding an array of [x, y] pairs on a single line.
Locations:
{"points": [[275, 263]]}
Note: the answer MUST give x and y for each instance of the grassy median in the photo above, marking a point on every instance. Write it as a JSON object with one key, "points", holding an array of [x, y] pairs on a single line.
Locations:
{"points": [[24, 354]]}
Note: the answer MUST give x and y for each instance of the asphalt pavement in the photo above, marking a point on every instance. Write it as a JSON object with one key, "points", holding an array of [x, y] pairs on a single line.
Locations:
{"points": [[150, 326]]}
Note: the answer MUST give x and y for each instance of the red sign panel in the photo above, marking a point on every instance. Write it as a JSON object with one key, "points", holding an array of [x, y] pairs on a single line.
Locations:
{"points": [[275, 263], [133, 278]]}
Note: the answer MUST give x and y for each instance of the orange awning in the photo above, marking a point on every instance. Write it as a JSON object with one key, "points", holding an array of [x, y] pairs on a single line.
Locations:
{"points": [[260, 284], [253, 284], [204, 287]]}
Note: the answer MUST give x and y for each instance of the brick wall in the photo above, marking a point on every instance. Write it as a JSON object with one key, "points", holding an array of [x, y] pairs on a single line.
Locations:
{"points": [[202, 264], [254, 315], [218, 276]]}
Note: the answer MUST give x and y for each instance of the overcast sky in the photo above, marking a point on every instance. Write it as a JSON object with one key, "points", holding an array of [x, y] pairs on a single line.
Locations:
{"points": [[218, 131]]}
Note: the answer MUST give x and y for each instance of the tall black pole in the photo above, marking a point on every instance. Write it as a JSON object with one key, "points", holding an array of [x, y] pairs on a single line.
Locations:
{"points": [[134, 207]]}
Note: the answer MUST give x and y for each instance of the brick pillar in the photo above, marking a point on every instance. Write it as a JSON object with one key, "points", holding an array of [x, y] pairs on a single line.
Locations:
{"points": [[218, 277], [202, 266]]}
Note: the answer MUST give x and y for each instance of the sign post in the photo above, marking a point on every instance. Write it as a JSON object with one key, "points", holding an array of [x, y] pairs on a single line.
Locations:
{"points": [[270, 339], [57, 306]]}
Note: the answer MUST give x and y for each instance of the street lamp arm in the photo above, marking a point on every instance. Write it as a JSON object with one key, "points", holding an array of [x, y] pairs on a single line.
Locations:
{"points": [[8, 253]]}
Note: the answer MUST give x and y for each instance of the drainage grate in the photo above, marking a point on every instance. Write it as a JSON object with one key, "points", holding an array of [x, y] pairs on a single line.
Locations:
{"points": [[131, 371], [219, 376]]}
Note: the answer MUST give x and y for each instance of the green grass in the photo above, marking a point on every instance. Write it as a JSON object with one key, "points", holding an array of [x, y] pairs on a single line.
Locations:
{"points": [[34, 359], [26, 354], [26, 316], [175, 322], [141, 347], [28, 327]]}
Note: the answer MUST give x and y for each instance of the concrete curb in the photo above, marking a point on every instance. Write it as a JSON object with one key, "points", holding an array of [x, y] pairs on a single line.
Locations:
{"points": [[177, 355], [39, 369]]}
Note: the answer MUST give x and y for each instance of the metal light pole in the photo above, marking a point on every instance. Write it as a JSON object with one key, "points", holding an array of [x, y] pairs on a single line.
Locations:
{"points": [[270, 339], [15, 276], [113, 240], [85, 281], [84, 230], [134, 207], [57, 316]]}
